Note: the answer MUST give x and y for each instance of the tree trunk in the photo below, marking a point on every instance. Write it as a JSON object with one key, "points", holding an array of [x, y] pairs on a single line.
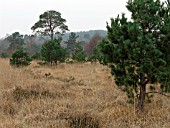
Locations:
{"points": [[142, 94], [52, 36], [142, 97], [51, 61]]}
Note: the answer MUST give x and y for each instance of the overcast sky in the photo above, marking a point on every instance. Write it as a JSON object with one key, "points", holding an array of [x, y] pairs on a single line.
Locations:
{"points": [[81, 15]]}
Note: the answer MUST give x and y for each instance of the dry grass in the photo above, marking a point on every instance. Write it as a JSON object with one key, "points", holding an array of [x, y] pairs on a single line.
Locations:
{"points": [[71, 96]]}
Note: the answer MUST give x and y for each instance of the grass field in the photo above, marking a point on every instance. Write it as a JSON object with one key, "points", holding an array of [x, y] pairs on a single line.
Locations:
{"points": [[71, 96]]}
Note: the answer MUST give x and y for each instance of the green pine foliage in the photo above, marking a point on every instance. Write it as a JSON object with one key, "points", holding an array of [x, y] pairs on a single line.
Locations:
{"points": [[97, 55], [136, 50], [3, 55], [20, 58], [37, 55], [165, 78], [71, 43], [52, 52], [50, 23], [16, 41], [79, 54]]}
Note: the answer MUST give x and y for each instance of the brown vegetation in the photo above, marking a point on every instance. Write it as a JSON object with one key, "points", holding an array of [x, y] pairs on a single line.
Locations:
{"points": [[91, 45], [71, 96]]}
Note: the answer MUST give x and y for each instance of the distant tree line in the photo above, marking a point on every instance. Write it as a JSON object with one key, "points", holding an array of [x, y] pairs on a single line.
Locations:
{"points": [[33, 43], [48, 43]]}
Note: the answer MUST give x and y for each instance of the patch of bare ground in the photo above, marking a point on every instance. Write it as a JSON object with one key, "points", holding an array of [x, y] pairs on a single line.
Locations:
{"points": [[71, 96]]}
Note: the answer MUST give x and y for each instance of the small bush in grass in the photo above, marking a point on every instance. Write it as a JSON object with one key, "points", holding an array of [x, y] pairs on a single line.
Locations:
{"points": [[20, 58], [3, 55]]}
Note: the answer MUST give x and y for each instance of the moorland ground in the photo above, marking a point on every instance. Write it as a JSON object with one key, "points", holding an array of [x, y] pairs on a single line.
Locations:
{"points": [[71, 96]]}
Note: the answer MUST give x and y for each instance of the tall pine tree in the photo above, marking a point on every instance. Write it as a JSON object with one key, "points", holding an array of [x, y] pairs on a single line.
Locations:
{"points": [[137, 50]]}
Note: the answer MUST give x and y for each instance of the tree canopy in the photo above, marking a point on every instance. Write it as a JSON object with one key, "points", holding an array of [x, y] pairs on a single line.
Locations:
{"points": [[79, 54], [16, 41], [91, 45], [50, 23], [52, 51], [71, 43]]}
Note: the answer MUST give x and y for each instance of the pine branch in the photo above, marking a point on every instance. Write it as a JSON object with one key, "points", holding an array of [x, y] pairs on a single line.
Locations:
{"points": [[161, 93]]}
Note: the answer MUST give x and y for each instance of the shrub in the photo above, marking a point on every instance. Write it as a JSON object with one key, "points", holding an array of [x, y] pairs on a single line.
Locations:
{"points": [[4, 55], [20, 58]]}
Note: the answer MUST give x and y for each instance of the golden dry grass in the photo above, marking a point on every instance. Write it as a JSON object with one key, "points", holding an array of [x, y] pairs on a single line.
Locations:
{"points": [[71, 95]]}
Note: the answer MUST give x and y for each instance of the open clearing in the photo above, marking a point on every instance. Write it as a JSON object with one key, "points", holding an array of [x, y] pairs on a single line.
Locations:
{"points": [[71, 96]]}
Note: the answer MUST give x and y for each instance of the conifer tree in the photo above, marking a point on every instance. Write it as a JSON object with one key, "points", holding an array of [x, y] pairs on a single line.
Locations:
{"points": [[79, 54], [50, 23], [16, 41], [71, 43], [137, 50], [52, 52]]}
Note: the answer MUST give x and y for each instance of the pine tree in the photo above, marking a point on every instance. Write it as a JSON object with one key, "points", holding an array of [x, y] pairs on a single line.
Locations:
{"points": [[79, 54], [50, 23], [136, 49], [16, 41], [71, 43], [52, 52]]}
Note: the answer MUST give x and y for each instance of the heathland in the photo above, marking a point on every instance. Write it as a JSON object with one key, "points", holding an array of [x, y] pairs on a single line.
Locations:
{"points": [[71, 96]]}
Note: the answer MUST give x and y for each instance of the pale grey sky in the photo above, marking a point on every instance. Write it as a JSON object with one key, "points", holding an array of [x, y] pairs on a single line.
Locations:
{"points": [[81, 15]]}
